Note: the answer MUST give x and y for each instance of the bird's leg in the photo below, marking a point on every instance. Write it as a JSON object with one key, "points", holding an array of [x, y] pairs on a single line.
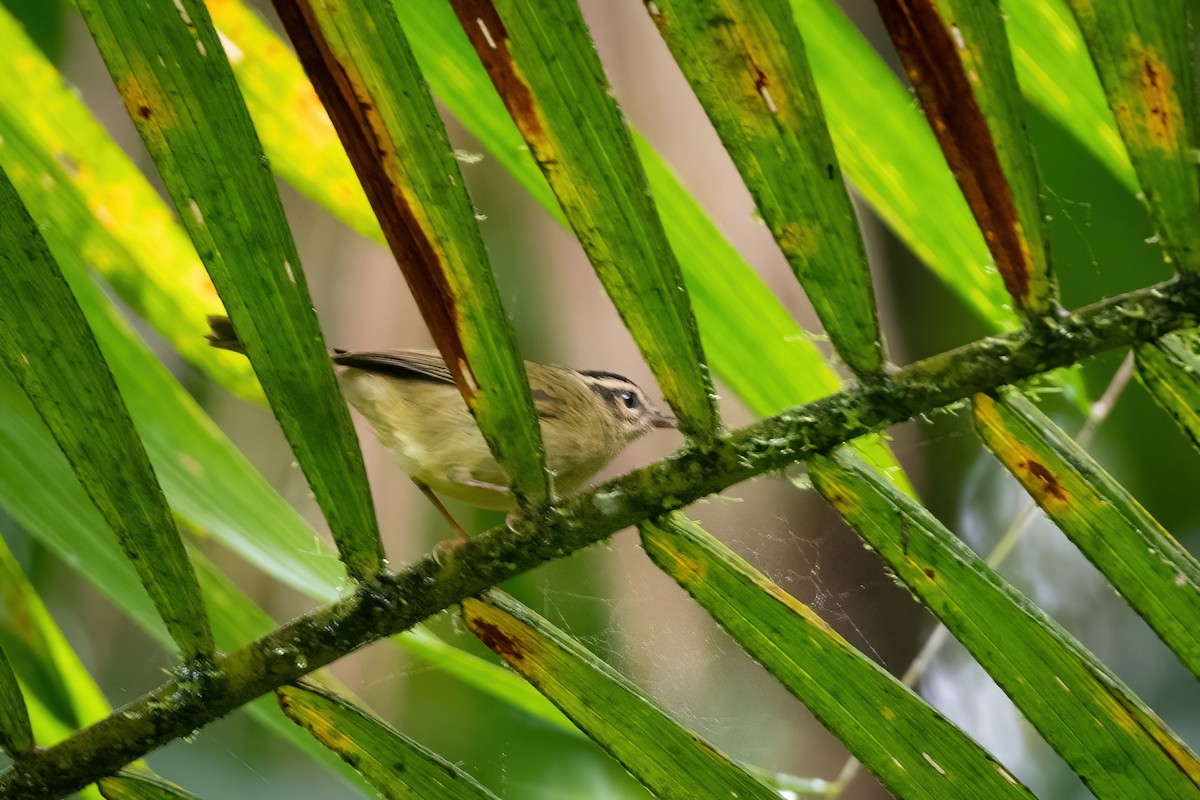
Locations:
{"points": [[446, 545]]}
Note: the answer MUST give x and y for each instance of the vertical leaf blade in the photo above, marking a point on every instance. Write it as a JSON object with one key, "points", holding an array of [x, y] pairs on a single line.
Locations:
{"points": [[1144, 54], [542, 61], [363, 69], [672, 762], [395, 765], [746, 62], [1096, 724], [957, 56], [46, 344], [909, 746], [1144, 563], [192, 119]]}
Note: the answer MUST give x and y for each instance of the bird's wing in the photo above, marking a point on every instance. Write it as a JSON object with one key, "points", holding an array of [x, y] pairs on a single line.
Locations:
{"points": [[425, 364]]}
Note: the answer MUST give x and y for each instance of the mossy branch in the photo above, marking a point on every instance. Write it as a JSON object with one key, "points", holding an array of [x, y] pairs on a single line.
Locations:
{"points": [[393, 602]]}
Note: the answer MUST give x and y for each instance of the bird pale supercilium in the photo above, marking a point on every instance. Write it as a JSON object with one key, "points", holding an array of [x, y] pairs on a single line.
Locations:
{"points": [[413, 406]]}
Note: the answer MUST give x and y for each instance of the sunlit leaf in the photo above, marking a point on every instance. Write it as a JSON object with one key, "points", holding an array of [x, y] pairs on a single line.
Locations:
{"points": [[77, 180], [1057, 75]]}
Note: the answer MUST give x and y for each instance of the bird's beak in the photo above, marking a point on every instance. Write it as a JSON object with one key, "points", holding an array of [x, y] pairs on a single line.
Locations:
{"points": [[661, 420]]}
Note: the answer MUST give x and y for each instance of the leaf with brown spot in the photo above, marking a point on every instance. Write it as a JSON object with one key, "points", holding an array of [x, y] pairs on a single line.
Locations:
{"points": [[957, 57], [1067, 694], [746, 62], [1144, 53], [1156, 575], [398, 767], [671, 761]]}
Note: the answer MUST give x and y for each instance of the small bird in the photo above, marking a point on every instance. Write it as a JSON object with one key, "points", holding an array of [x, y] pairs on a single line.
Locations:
{"points": [[415, 410]]}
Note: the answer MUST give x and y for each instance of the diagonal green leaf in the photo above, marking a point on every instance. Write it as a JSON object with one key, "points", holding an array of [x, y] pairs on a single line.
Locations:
{"points": [[1144, 563], [909, 746], [194, 123], [746, 63], [398, 767], [544, 65], [130, 785], [1170, 370], [1100, 728], [1057, 75], [207, 481], [1144, 54], [957, 56], [16, 735], [359, 59], [46, 344], [671, 761]]}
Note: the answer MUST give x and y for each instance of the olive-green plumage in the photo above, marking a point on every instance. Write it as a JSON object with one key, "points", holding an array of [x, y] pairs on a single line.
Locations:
{"points": [[413, 406]]}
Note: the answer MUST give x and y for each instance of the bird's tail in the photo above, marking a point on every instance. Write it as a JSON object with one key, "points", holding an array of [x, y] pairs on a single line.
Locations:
{"points": [[222, 335]]}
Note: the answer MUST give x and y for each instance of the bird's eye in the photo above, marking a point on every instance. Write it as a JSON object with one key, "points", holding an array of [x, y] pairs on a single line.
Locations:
{"points": [[629, 399]]}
